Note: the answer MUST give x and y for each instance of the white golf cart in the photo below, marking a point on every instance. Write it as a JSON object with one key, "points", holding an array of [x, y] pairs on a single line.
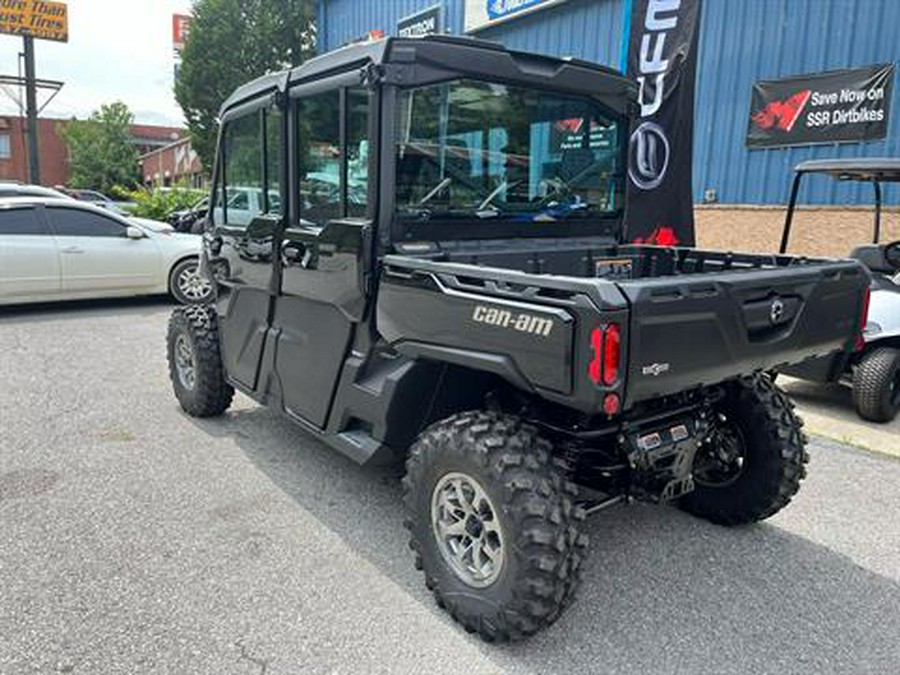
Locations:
{"points": [[874, 367]]}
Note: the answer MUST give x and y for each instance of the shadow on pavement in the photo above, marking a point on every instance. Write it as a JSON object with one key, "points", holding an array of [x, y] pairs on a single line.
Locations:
{"points": [[82, 309], [662, 592]]}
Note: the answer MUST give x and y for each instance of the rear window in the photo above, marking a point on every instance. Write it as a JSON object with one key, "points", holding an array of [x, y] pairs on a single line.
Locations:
{"points": [[20, 222]]}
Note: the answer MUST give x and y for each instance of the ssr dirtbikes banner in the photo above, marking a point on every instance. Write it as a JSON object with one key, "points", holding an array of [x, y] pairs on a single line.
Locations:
{"points": [[662, 58], [836, 106]]}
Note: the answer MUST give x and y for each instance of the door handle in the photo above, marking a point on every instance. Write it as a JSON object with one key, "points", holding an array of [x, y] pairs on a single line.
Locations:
{"points": [[71, 249]]}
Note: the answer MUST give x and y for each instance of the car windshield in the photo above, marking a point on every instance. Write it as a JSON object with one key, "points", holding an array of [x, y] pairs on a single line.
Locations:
{"points": [[470, 149]]}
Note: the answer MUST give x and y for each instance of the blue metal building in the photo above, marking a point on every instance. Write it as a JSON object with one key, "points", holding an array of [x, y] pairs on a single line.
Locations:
{"points": [[741, 42]]}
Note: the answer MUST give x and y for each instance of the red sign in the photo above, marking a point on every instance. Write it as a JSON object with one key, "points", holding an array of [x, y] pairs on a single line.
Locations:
{"points": [[181, 26]]}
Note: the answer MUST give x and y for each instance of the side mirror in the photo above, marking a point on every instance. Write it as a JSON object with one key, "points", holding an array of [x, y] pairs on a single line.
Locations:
{"points": [[133, 232]]}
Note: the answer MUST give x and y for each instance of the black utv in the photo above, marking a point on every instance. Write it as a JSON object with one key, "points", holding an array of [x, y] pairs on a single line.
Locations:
{"points": [[435, 272]]}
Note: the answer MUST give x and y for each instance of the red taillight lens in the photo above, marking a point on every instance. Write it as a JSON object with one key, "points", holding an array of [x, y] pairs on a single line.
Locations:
{"points": [[863, 320], [611, 352], [606, 344], [595, 364]]}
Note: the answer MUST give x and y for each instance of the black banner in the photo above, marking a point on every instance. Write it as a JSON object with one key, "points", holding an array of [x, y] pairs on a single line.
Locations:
{"points": [[662, 57], [426, 22], [832, 107]]}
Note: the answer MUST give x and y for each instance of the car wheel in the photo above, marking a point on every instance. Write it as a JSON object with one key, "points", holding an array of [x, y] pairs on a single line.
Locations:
{"points": [[188, 285], [876, 385]]}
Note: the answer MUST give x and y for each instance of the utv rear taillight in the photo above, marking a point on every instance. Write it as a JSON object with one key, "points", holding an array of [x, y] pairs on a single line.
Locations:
{"points": [[611, 352], [863, 319], [606, 346]]}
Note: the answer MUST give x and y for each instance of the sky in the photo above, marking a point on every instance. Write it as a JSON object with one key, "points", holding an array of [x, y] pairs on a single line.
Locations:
{"points": [[117, 50]]}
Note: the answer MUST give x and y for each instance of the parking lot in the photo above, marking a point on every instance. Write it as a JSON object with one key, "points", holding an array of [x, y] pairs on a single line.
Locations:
{"points": [[139, 540]]}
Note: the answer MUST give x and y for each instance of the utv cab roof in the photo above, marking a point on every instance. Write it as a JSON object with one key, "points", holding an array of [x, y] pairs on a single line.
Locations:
{"points": [[882, 169], [439, 57]]}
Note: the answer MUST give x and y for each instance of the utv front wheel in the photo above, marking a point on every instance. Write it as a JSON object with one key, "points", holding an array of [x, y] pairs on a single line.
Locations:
{"points": [[195, 365], [493, 524], [876, 385], [753, 462]]}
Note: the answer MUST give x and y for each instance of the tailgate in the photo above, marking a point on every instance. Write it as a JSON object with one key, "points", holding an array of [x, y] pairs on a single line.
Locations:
{"points": [[703, 329]]}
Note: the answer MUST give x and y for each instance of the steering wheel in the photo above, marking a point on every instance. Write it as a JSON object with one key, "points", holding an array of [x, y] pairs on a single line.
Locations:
{"points": [[892, 254]]}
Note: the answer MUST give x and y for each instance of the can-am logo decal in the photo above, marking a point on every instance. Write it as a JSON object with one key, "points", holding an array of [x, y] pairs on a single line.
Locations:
{"points": [[649, 156], [520, 321]]}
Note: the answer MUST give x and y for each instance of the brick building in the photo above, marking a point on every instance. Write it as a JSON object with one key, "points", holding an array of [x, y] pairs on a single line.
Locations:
{"points": [[173, 164], [54, 161]]}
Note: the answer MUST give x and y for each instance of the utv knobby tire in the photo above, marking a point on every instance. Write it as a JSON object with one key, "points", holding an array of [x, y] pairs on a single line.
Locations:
{"points": [[875, 383], [774, 457], [544, 548], [211, 394]]}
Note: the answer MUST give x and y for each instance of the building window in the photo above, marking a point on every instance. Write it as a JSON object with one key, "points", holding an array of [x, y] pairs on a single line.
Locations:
{"points": [[5, 147]]}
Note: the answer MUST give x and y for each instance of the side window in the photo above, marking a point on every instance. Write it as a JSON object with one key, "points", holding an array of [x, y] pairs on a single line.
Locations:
{"points": [[20, 222], [78, 223], [319, 121], [252, 151], [274, 159], [330, 165], [357, 152]]}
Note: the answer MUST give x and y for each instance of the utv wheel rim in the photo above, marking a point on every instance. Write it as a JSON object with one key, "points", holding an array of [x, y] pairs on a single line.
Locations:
{"points": [[720, 462], [192, 284], [467, 529], [184, 362]]}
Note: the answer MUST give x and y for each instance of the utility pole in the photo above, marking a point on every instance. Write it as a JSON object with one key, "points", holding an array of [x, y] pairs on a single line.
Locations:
{"points": [[34, 169]]}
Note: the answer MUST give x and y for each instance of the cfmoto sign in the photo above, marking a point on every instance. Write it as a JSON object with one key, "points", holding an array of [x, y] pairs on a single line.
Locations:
{"points": [[649, 156], [649, 144]]}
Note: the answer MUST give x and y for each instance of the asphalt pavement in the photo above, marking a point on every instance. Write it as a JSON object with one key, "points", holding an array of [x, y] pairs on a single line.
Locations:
{"points": [[138, 540]]}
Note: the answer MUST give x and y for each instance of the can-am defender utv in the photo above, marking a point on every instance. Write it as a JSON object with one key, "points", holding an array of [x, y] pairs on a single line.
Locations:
{"points": [[437, 274], [873, 367]]}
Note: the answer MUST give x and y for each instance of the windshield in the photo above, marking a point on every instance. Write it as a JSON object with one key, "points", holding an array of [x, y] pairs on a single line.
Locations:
{"points": [[469, 149]]}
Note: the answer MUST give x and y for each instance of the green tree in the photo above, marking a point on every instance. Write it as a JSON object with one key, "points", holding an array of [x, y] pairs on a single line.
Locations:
{"points": [[231, 42], [101, 153]]}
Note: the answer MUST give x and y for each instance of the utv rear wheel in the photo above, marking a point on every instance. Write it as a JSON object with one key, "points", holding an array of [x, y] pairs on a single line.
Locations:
{"points": [[754, 460], [195, 365], [876, 385], [493, 524]]}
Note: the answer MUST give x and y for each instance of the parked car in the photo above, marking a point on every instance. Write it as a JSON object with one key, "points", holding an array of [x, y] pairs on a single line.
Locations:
{"points": [[500, 336], [62, 249], [187, 220], [20, 190], [873, 367], [99, 199]]}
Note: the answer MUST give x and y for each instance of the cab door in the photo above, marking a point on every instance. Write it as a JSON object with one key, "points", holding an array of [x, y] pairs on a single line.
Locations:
{"points": [[29, 258], [97, 257], [322, 248], [242, 239]]}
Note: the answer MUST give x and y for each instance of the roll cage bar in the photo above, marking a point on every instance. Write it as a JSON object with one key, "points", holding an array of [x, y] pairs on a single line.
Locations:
{"points": [[874, 170]]}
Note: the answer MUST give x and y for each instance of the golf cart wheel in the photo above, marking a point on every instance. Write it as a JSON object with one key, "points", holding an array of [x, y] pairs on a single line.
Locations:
{"points": [[188, 284], [195, 365], [753, 462], [493, 524], [876, 385]]}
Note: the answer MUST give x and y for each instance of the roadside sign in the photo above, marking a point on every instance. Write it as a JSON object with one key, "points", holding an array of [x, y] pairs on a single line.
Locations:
{"points": [[426, 22], [35, 18]]}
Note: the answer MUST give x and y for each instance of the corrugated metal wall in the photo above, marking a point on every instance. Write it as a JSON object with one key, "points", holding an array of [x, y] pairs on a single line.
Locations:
{"points": [[741, 41], [748, 40]]}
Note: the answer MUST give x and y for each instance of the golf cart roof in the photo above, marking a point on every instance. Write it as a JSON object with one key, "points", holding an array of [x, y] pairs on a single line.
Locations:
{"points": [[884, 169]]}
